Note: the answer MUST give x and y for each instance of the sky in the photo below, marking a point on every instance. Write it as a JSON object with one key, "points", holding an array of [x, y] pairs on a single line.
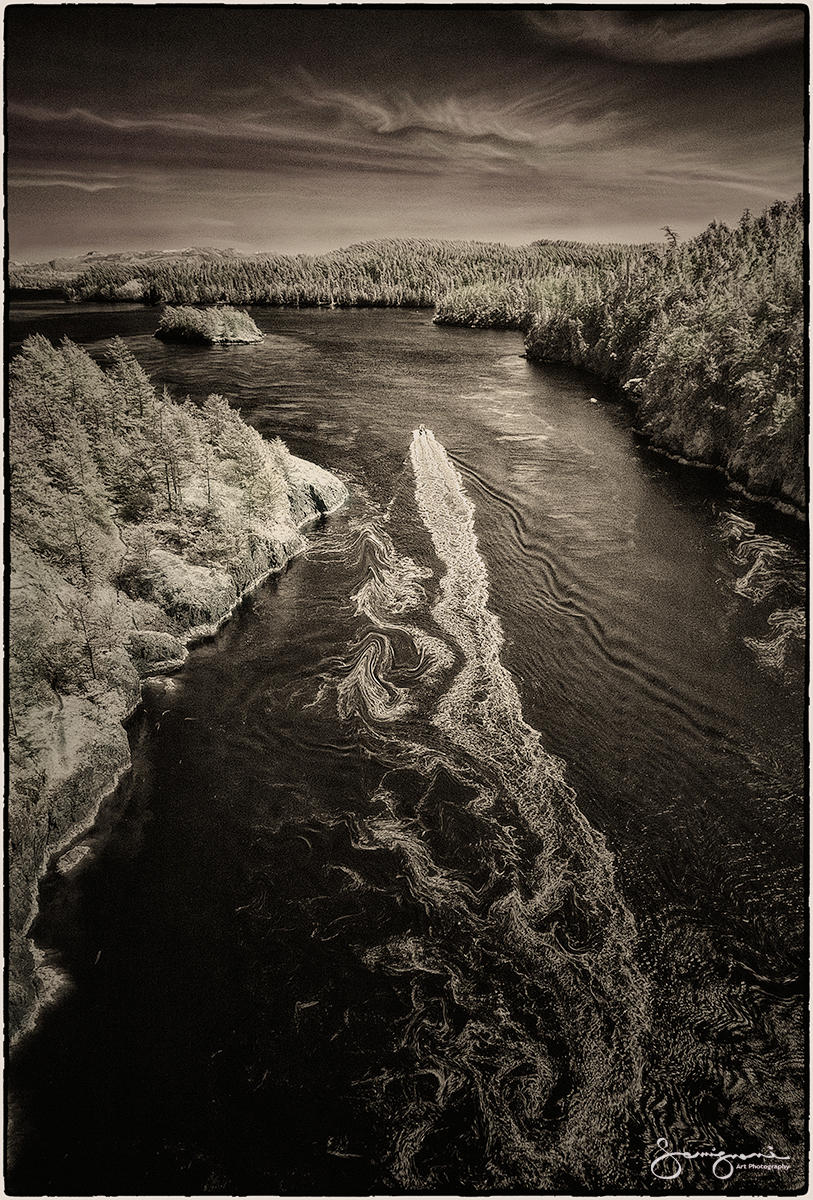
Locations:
{"points": [[301, 128]]}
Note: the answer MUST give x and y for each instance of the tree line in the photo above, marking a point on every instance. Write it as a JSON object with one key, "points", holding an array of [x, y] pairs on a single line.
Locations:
{"points": [[392, 272]]}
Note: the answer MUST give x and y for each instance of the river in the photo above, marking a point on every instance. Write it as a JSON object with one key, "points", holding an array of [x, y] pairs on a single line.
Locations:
{"points": [[469, 855]]}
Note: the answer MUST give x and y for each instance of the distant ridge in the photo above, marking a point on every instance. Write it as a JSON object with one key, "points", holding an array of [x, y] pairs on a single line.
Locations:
{"points": [[71, 267], [76, 264], [411, 272]]}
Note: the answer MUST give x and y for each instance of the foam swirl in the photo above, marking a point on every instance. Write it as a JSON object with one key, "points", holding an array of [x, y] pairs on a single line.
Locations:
{"points": [[772, 573], [526, 1009]]}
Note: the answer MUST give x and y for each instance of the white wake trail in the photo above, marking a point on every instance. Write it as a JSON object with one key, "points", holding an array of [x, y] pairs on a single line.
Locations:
{"points": [[527, 1013], [573, 871]]}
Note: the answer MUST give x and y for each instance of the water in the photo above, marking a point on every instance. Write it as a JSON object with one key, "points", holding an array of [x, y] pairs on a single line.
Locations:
{"points": [[469, 855]]}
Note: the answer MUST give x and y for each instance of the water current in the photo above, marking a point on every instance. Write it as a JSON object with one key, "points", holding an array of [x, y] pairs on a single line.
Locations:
{"points": [[469, 855]]}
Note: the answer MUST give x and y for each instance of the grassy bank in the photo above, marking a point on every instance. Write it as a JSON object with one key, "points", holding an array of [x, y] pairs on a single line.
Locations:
{"points": [[136, 523]]}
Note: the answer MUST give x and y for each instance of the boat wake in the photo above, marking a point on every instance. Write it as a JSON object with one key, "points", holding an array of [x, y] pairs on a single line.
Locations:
{"points": [[518, 1059]]}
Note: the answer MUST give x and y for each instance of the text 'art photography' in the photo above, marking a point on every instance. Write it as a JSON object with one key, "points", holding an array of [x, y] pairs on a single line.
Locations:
{"points": [[406, 595]]}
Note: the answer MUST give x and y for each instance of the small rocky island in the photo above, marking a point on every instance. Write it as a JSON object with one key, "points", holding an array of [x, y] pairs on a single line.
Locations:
{"points": [[208, 326]]}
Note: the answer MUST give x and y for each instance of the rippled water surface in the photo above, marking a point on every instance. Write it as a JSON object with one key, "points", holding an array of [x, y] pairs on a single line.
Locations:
{"points": [[469, 855]]}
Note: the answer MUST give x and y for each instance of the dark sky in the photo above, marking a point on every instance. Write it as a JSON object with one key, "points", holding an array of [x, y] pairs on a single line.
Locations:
{"points": [[304, 128]]}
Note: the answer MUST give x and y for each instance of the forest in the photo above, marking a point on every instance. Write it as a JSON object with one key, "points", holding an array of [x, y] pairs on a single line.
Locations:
{"points": [[206, 325], [705, 337], [134, 519], [394, 272]]}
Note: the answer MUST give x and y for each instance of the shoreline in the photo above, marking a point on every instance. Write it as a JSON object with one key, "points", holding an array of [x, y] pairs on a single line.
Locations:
{"points": [[785, 507], [779, 504], [53, 982], [201, 341], [198, 635]]}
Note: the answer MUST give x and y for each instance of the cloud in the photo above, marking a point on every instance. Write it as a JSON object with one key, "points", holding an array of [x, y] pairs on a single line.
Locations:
{"points": [[76, 184], [120, 178], [187, 124], [22, 176], [315, 126], [560, 140], [548, 115], [474, 118], [555, 111], [507, 143], [671, 36], [767, 189]]}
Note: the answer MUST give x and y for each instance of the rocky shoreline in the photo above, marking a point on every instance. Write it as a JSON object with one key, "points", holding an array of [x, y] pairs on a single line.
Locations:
{"points": [[779, 504], [95, 757]]}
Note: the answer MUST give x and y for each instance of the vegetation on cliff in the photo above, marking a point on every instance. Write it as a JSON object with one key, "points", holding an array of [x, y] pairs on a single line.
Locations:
{"points": [[207, 325], [135, 522], [706, 337]]}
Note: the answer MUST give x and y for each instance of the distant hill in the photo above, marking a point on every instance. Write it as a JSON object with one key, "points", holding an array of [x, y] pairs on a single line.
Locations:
{"points": [[58, 271]]}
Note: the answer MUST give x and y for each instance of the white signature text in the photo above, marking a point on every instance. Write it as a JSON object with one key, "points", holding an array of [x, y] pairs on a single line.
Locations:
{"points": [[669, 1164]]}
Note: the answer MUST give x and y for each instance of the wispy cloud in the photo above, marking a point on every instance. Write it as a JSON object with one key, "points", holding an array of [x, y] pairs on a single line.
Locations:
{"points": [[76, 184], [560, 137], [671, 36], [356, 121], [121, 179], [181, 123], [556, 111]]}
